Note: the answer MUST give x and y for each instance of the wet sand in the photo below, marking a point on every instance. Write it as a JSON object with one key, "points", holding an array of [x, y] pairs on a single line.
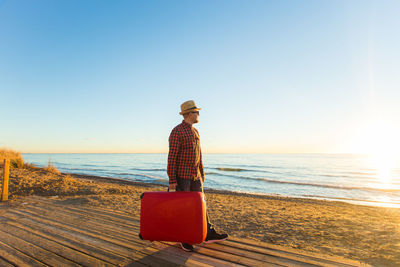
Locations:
{"points": [[364, 233]]}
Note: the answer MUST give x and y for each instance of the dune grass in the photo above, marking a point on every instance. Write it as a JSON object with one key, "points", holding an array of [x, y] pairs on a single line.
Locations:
{"points": [[16, 161], [15, 157], [51, 168]]}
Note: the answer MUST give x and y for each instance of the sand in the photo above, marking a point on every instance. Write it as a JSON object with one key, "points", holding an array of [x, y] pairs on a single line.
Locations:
{"points": [[364, 233]]}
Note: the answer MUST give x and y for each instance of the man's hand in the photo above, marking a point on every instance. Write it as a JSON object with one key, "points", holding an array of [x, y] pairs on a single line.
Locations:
{"points": [[172, 186]]}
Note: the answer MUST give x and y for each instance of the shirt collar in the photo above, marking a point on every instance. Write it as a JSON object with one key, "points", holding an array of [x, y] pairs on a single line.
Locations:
{"points": [[184, 123]]}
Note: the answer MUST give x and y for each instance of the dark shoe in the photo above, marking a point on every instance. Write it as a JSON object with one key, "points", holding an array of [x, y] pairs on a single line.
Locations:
{"points": [[215, 237], [187, 247]]}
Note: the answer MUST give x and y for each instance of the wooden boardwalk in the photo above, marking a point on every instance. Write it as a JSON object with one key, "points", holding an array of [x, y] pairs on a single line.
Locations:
{"points": [[45, 232]]}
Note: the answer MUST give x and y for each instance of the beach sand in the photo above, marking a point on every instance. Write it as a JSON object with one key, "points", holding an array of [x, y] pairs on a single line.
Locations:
{"points": [[364, 233]]}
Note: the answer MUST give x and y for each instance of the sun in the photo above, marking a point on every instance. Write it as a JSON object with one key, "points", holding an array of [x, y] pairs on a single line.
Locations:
{"points": [[383, 164], [380, 141]]}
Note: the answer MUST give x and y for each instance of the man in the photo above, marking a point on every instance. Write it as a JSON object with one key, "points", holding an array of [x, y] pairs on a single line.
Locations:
{"points": [[185, 163]]}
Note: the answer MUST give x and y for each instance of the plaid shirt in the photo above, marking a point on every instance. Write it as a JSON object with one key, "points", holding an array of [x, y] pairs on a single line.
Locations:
{"points": [[184, 157]]}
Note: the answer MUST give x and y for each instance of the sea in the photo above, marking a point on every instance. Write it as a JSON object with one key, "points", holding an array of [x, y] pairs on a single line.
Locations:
{"points": [[357, 179]]}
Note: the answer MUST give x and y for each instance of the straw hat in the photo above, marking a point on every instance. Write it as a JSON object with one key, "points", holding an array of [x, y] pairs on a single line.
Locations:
{"points": [[188, 106]]}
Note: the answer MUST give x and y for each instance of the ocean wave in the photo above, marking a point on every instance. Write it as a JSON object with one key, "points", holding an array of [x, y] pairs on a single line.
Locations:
{"points": [[246, 166], [347, 176], [352, 199], [392, 190], [122, 173], [335, 175], [268, 180], [150, 176], [364, 173], [148, 170], [90, 165], [228, 175], [83, 169], [352, 174], [229, 169], [133, 175]]}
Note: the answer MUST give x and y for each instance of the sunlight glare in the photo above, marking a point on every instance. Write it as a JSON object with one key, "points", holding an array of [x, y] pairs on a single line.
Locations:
{"points": [[380, 141]]}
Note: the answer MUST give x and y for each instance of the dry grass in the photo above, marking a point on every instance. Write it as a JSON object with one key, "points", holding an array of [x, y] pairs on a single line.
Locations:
{"points": [[16, 161], [15, 158], [51, 168]]}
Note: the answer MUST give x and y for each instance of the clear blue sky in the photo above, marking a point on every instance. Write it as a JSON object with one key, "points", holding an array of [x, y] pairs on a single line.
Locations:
{"points": [[270, 76]]}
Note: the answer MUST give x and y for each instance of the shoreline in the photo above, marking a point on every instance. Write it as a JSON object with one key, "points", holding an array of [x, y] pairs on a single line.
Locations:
{"points": [[356, 202], [366, 233], [230, 173]]}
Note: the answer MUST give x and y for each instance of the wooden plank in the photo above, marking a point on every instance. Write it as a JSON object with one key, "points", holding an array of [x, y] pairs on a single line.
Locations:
{"points": [[277, 253], [128, 225], [98, 212], [197, 255], [108, 214], [225, 256], [284, 252], [174, 248], [13, 240], [158, 253], [135, 264], [117, 218], [86, 221], [4, 263], [148, 260], [70, 241], [129, 246], [260, 257], [17, 258], [81, 219], [112, 212], [165, 254], [80, 236], [68, 253], [281, 258]]}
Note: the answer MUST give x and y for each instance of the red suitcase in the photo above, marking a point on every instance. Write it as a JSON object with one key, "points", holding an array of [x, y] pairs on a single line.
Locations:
{"points": [[173, 216]]}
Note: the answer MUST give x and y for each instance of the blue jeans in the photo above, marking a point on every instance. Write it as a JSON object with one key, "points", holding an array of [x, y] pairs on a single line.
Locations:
{"points": [[194, 186]]}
